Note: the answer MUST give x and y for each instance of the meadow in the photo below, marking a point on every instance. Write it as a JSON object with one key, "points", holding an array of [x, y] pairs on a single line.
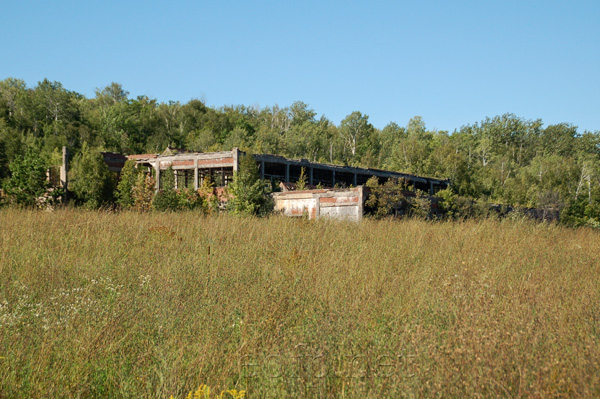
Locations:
{"points": [[104, 304]]}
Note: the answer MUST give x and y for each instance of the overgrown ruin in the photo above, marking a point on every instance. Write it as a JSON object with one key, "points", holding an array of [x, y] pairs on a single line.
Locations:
{"points": [[334, 191], [191, 168]]}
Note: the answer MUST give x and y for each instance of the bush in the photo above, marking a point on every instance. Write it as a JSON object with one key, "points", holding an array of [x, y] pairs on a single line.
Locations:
{"points": [[447, 203], [28, 179], [454, 206], [387, 198], [301, 184], [420, 206], [124, 194], [209, 196], [579, 212], [166, 198], [169, 199], [248, 190], [90, 179], [188, 199], [143, 192]]}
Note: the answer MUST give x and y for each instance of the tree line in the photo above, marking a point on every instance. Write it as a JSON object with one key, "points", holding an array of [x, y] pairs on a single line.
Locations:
{"points": [[504, 159]]}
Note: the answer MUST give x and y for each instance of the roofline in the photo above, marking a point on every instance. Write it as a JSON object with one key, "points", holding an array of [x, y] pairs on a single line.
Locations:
{"points": [[298, 162], [350, 169]]}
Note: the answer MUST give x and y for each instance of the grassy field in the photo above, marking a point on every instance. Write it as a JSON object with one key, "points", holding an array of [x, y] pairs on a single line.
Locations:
{"points": [[103, 305]]}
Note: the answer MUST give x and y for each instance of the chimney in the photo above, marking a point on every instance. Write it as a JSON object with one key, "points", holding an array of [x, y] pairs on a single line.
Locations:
{"points": [[64, 169]]}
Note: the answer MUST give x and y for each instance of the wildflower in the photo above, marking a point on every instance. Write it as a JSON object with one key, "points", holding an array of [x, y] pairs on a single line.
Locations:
{"points": [[202, 392], [236, 394]]}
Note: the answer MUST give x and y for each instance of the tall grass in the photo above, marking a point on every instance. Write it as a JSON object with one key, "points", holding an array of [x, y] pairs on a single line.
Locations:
{"points": [[97, 304]]}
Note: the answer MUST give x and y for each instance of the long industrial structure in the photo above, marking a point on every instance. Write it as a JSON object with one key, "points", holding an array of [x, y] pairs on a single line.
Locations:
{"points": [[192, 168]]}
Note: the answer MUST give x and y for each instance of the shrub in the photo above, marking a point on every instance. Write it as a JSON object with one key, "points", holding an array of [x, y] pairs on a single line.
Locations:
{"points": [[447, 202], [454, 206], [208, 195], [124, 194], [166, 199], [188, 199], [386, 198], [420, 206], [301, 184], [483, 210], [143, 192], [90, 179], [248, 190], [28, 179], [170, 199]]}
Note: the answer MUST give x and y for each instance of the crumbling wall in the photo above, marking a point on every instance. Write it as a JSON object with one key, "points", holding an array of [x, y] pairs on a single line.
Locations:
{"points": [[341, 204]]}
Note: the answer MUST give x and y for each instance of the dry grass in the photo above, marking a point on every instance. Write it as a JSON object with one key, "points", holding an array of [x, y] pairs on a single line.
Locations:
{"points": [[153, 305]]}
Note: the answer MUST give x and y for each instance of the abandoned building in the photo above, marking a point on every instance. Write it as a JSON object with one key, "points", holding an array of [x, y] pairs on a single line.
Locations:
{"points": [[331, 190], [191, 168], [334, 191]]}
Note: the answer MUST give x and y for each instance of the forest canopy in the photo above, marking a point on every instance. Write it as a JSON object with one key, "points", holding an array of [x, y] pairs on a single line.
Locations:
{"points": [[504, 158]]}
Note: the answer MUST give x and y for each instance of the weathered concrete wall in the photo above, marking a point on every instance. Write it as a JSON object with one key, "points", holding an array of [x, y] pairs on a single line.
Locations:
{"points": [[342, 204], [296, 203]]}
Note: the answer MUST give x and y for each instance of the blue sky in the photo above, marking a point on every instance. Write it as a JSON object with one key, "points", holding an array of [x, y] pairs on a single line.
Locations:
{"points": [[451, 62]]}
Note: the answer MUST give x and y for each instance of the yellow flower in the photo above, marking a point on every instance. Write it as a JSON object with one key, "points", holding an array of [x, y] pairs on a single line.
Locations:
{"points": [[202, 392], [236, 394]]}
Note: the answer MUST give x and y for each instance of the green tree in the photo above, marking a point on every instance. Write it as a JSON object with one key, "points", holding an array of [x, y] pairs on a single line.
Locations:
{"points": [[557, 139], [54, 107], [168, 129], [416, 127], [12, 92], [389, 138], [301, 183], [356, 131], [248, 190], [201, 140], [384, 199], [300, 113], [90, 179], [126, 183], [237, 138], [112, 94], [28, 179], [3, 160]]}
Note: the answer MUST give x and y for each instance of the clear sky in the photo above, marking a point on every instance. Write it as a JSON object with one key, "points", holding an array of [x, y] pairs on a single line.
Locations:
{"points": [[451, 62]]}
